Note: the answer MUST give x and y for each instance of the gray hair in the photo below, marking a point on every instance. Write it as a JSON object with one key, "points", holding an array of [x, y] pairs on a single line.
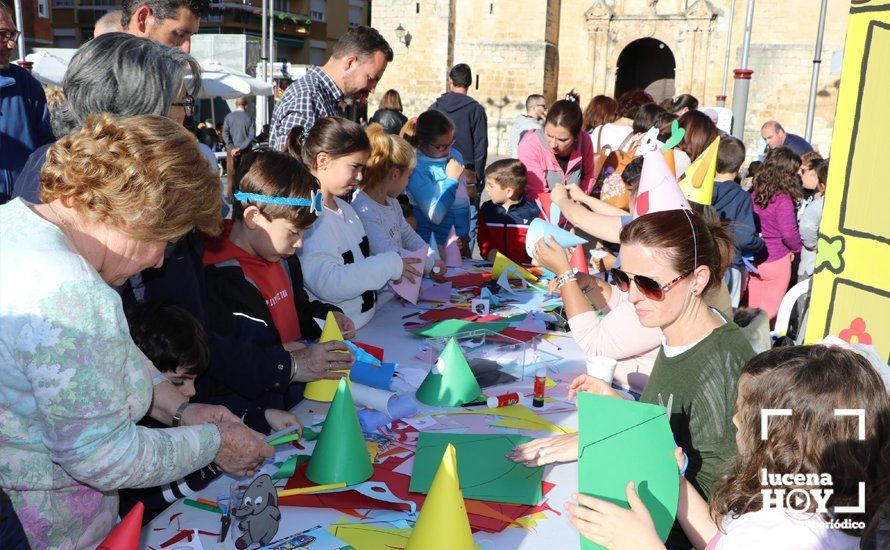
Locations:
{"points": [[123, 75]]}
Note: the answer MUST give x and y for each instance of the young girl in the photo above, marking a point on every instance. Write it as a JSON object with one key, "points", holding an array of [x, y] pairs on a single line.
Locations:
{"points": [[775, 190], [437, 188], [337, 262], [814, 175], [813, 443], [254, 286], [385, 177]]}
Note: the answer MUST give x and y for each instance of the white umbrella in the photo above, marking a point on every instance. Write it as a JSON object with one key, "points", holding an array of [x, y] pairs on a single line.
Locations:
{"points": [[48, 67], [219, 81]]}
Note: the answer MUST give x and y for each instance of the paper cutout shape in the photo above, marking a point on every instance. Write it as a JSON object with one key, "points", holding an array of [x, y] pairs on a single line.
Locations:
{"points": [[649, 143], [493, 299], [658, 190], [443, 519], [636, 444], [373, 376], [434, 248], [555, 213], [370, 537], [579, 261], [489, 475], [287, 468], [452, 251], [257, 514], [539, 229], [504, 281], [340, 453], [405, 288], [677, 135], [450, 382], [362, 356], [697, 182], [455, 327], [519, 417], [529, 324], [125, 535], [480, 307], [390, 403], [469, 279], [437, 293], [670, 160], [461, 313], [502, 263], [324, 390]]}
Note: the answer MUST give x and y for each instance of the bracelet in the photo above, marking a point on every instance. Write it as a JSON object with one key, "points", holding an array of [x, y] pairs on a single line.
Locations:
{"points": [[565, 278], [293, 367], [177, 416]]}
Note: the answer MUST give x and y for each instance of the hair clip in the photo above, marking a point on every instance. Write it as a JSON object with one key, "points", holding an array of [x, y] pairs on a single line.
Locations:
{"points": [[314, 202]]}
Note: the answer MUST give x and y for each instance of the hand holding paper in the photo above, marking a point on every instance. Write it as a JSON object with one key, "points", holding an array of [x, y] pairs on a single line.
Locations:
{"points": [[408, 286]]}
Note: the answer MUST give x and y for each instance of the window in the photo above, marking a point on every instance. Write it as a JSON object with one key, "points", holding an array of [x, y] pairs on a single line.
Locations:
{"points": [[43, 8], [63, 3], [318, 9], [318, 52], [355, 16]]}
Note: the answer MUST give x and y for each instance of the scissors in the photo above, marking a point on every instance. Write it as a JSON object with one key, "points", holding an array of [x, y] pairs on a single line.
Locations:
{"points": [[668, 408]]}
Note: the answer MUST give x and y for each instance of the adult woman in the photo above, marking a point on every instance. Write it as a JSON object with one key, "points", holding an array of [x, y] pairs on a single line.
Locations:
{"points": [[775, 191], [670, 260], [601, 110], [389, 114], [558, 153], [74, 382], [123, 75], [813, 174], [700, 132]]}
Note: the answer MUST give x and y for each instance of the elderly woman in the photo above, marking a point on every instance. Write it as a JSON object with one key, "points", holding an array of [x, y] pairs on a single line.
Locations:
{"points": [[123, 75], [74, 383]]}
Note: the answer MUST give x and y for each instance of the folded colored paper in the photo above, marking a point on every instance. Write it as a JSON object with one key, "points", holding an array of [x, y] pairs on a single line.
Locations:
{"points": [[622, 441], [452, 250], [375, 376], [697, 182], [450, 381], [539, 229], [437, 292], [502, 262], [456, 327], [324, 390], [340, 453], [404, 287], [658, 190]]}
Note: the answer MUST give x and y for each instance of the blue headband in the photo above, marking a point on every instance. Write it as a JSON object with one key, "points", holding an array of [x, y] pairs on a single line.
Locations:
{"points": [[314, 202]]}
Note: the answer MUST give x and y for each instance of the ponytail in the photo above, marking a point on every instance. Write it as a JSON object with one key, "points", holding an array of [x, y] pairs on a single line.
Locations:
{"points": [[686, 240], [387, 153], [426, 128]]}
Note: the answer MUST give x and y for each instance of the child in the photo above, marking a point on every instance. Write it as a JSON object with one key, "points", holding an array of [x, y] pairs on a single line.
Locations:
{"points": [[336, 254], [813, 443], [437, 187], [734, 206], [776, 189], [255, 289], [174, 341], [503, 221], [385, 177]]}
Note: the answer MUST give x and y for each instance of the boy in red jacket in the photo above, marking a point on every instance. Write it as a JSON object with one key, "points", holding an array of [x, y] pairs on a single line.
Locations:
{"points": [[503, 220]]}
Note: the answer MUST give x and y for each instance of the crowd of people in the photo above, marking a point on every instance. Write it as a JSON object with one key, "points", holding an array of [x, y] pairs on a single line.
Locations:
{"points": [[151, 335]]}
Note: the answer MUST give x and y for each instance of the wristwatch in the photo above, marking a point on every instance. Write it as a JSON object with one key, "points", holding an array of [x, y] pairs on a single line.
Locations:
{"points": [[177, 416]]}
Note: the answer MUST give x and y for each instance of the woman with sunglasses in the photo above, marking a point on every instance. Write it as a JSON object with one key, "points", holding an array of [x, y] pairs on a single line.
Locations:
{"points": [[670, 259]]}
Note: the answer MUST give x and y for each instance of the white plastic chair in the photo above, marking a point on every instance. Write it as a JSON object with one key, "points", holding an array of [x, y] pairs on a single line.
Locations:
{"points": [[783, 317]]}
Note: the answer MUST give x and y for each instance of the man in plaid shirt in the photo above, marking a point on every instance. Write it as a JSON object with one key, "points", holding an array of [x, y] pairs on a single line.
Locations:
{"points": [[356, 65]]}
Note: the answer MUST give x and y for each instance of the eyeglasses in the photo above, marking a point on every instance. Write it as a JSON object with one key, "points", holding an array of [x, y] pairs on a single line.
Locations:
{"points": [[650, 288], [7, 35], [187, 104], [443, 146]]}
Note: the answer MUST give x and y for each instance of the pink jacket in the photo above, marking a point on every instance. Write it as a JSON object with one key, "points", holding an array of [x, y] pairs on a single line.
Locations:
{"points": [[543, 169], [619, 335]]}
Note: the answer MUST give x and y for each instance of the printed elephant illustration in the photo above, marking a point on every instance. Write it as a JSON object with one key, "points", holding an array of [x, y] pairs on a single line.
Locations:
{"points": [[258, 513]]}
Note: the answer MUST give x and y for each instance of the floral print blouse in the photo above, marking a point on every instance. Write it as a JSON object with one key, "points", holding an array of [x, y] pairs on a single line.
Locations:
{"points": [[72, 386]]}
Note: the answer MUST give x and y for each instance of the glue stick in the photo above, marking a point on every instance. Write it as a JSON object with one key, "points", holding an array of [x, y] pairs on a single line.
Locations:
{"points": [[505, 400], [540, 386]]}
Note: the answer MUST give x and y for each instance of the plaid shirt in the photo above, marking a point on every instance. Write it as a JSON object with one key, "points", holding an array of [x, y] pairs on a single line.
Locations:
{"points": [[312, 96]]}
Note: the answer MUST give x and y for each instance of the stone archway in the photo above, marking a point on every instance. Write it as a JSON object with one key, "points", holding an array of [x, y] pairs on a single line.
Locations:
{"points": [[646, 64]]}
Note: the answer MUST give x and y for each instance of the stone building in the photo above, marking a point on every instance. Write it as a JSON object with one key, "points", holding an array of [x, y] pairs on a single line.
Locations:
{"points": [[518, 47]]}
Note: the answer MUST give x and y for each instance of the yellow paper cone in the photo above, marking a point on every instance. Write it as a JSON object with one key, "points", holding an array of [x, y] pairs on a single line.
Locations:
{"points": [[443, 522], [324, 390], [502, 262], [697, 182]]}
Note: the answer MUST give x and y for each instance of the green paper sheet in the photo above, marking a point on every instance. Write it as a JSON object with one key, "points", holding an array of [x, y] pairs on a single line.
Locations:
{"points": [[453, 327], [483, 467], [363, 536], [622, 441], [287, 468]]}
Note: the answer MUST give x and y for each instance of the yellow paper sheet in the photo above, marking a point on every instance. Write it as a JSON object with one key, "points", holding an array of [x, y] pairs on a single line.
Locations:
{"points": [[368, 537], [550, 383], [519, 417], [373, 450], [531, 521], [502, 262]]}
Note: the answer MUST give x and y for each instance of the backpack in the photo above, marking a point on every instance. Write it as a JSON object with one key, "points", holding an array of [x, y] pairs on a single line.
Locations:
{"points": [[612, 166]]}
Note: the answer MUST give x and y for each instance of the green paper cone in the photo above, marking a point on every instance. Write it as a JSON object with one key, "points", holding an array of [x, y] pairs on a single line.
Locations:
{"points": [[455, 385], [340, 453]]}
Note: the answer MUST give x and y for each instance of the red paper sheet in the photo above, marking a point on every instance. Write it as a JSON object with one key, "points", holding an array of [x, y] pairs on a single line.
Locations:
{"points": [[520, 335], [461, 313], [469, 279], [373, 350]]}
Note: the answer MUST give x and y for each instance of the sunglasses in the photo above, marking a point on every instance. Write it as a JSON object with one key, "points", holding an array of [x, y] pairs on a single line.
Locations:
{"points": [[650, 288]]}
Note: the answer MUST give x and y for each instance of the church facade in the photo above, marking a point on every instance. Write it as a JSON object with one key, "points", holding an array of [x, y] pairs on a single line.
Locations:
{"points": [[669, 47]]}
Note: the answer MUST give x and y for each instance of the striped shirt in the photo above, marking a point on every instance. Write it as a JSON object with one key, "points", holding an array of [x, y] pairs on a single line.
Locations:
{"points": [[312, 96]]}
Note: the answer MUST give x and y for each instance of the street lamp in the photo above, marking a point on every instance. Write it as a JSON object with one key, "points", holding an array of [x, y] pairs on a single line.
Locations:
{"points": [[403, 36]]}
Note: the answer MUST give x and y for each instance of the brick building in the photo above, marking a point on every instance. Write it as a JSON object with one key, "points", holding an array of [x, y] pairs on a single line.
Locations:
{"points": [[518, 47]]}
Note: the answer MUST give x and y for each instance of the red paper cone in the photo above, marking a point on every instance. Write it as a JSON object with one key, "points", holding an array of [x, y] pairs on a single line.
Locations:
{"points": [[579, 260], [125, 536]]}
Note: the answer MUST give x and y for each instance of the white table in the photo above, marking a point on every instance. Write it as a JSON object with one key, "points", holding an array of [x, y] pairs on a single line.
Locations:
{"points": [[386, 331]]}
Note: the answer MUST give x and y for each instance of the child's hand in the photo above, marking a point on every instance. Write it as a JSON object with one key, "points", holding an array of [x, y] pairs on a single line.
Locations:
{"points": [[437, 273], [279, 420], [613, 526], [347, 327], [409, 271], [454, 169]]}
